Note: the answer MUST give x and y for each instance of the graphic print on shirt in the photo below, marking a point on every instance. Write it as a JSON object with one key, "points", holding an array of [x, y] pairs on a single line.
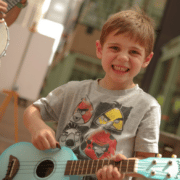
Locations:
{"points": [[83, 111], [72, 136], [99, 145], [111, 116]]}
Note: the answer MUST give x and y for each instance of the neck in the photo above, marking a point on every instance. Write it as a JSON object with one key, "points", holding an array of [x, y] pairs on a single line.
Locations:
{"points": [[108, 84], [90, 167]]}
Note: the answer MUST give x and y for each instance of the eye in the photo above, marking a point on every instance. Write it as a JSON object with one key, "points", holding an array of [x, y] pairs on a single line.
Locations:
{"points": [[134, 52], [115, 48]]}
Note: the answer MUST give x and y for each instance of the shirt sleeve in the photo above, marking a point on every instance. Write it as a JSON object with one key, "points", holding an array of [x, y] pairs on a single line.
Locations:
{"points": [[50, 106], [147, 137]]}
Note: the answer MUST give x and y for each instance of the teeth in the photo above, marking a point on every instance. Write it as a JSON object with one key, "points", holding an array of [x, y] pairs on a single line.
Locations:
{"points": [[120, 68]]}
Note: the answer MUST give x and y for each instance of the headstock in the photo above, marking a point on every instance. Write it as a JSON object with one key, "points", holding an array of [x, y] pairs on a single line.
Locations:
{"points": [[160, 168]]}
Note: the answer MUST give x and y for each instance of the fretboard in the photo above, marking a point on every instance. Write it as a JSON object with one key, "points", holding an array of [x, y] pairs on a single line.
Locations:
{"points": [[11, 4], [90, 167]]}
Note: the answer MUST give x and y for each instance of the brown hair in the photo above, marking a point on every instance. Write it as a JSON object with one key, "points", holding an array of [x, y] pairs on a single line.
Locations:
{"points": [[135, 23]]}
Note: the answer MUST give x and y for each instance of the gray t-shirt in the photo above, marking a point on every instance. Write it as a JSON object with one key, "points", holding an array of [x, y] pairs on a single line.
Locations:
{"points": [[97, 123]]}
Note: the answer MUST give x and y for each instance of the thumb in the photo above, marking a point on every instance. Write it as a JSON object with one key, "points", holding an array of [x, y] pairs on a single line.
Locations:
{"points": [[119, 157]]}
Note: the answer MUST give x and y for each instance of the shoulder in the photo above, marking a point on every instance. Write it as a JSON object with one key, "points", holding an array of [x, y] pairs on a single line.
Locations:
{"points": [[79, 84], [74, 86], [147, 98]]}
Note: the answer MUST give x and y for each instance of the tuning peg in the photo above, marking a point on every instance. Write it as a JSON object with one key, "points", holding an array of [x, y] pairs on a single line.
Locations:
{"points": [[168, 175], [174, 156], [159, 156], [170, 162], [154, 162], [153, 172]]}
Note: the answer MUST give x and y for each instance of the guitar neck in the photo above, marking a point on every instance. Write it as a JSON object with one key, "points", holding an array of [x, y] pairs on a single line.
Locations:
{"points": [[11, 4], [90, 167]]}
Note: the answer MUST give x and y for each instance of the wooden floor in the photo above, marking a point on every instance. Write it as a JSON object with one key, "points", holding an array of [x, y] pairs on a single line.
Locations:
{"points": [[7, 137]]}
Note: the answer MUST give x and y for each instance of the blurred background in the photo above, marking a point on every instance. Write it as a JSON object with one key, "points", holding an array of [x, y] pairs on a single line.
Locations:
{"points": [[53, 42]]}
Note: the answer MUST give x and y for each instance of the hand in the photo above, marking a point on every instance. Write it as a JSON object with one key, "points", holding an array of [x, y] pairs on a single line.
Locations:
{"points": [[23, 1], [3, 9], [44, 138], [110, 172]]}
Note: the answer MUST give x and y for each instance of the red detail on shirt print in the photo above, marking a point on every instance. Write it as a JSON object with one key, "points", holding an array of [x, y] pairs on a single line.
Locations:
{"points": [[100, 145], [83, 112]]}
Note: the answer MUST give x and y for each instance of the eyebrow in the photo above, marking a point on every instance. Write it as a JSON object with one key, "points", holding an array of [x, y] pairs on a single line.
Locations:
{"points": [[133, 47]]}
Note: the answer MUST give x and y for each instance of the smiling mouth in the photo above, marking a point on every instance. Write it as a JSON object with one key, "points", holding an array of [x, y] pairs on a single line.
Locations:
{"points": [[118, 68]]}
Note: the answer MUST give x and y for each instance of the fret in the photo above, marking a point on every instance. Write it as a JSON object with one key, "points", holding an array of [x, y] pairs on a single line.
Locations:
{"points": [[127, 166], [124, 166], [71, 168], [92, 165], [100, 164], [131, 165], [76, 168], [97, 164], [106, 162], [87, 166], [120, 166], [80, 168], [68, 168], [83, 167]]}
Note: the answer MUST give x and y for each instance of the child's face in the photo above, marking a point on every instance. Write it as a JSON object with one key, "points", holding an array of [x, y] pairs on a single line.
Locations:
{"points": [[122, 59]]}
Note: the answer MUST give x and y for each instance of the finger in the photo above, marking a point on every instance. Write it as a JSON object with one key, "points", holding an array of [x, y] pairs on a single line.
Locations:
{"points": [[52, 141], [1, 21], [46, 144], [115, 173], [98, 174], [3, 9], [119, 157], [38, 145], [2, 15], [104, 172], [109, 172], [4, 4]]}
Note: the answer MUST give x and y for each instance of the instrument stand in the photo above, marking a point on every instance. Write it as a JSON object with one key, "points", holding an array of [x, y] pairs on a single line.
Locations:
{"points": [[3, 107]]}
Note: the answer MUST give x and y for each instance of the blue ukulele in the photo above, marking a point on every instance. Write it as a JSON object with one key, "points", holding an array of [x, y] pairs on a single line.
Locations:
{"points": [[22, 161]]}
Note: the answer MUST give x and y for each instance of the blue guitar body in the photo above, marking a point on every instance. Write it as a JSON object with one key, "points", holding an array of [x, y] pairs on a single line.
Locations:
{"points": [[32, 162]]}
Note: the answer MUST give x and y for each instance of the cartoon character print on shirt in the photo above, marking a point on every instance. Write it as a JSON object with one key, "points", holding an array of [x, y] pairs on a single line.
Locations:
{"points": [[72, 136], [99, 145], [73, 133], [111, 116], [83, 112]]}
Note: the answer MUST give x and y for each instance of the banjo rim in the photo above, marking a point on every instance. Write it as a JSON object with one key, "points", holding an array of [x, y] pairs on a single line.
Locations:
{"points": [[7, 43]]}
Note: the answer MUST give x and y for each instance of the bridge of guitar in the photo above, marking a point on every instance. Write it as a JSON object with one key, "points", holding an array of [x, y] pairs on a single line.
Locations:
{"points": [[13, 167]]}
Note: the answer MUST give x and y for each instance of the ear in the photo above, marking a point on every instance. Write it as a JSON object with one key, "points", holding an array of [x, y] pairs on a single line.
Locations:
{"points": [[98, 49], [147, 60]]}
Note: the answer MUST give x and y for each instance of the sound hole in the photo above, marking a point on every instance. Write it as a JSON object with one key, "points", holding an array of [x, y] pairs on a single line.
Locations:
{"points": [[45, 168]]}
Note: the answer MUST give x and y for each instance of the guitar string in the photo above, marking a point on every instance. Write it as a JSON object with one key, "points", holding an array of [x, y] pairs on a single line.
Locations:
{"points": [[75, 173], [59, 167]]}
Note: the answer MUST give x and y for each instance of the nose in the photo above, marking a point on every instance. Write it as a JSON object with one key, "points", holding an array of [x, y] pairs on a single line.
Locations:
{"points": [[122, 56]]}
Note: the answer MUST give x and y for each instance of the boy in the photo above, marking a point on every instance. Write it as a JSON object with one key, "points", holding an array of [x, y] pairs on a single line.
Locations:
{"points": [[107, 117]]}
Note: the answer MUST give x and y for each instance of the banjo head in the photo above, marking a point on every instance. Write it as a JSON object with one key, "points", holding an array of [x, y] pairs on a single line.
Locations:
{"points": [[4, 38]]}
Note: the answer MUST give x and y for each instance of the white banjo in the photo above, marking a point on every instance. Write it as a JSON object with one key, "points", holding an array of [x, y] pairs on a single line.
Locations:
{"points": [[4, 32]]}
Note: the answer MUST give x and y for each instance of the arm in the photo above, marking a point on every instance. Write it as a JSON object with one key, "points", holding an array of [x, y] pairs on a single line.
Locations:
{"points": [[43, 137], [12, 15]]}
